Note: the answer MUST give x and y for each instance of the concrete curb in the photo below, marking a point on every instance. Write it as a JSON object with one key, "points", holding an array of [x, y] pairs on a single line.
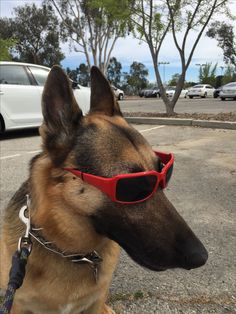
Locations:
{"points": [[185, 122]]}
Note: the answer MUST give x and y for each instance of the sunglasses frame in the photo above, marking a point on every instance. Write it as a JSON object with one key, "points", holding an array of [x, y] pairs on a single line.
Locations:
{"points": [[108, 185]]}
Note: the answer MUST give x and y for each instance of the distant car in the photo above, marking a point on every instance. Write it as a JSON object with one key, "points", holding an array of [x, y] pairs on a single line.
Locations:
{"points": [[171, 90], [152, 92], [228, 91], [21, 87], [216, 93], [201, 90], [118, 92], [141, 92]]}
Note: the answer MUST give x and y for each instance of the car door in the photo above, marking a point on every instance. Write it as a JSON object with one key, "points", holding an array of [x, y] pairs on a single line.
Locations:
{"points": [[210, 90], [20, 98]]}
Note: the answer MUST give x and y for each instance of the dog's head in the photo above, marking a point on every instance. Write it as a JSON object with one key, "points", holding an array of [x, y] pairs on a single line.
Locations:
{"points": [[103, 144]]}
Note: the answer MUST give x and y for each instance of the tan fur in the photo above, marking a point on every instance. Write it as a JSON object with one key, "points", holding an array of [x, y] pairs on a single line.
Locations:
{"points": [[66, 225]]}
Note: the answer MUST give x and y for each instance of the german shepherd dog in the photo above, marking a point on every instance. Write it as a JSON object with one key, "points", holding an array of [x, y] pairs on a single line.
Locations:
{"points": [[81, 213]]}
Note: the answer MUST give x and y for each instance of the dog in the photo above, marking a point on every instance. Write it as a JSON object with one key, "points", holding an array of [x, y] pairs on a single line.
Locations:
{"points": [[96, 186]]}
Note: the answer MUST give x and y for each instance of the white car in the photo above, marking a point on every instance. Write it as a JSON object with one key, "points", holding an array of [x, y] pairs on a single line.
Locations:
{"points": [[119, 93], [228, 91], [201, 90], [21, 87], [171, 90]]}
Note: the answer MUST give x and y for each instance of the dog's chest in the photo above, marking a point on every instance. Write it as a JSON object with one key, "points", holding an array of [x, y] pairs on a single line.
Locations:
{"points": [[68, 308]]}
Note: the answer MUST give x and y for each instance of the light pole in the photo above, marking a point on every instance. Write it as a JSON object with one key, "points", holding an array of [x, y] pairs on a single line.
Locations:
{"points": [[200, 65], [164, 64]]}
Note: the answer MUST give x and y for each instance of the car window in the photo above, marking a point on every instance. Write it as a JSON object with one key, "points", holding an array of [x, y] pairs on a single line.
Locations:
{"points": [[198, 86], [231, 85], [209, 86], [39, 74], [14, 75]]}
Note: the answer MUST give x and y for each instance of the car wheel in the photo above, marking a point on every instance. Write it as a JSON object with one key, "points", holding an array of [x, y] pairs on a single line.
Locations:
{"points": [[234, 98], [191, 97], [222, 98], [121, 97], [2, 126]]}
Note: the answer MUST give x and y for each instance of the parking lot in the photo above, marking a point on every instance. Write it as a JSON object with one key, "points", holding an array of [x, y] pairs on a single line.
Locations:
{"points": [[202, 189], [184, 105]]}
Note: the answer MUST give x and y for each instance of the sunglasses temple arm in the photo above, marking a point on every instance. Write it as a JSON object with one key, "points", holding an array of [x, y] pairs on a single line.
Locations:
{"points": [[103, 184]]}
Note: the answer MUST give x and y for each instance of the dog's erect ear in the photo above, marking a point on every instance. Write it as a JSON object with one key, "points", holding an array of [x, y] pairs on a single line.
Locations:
{"points": [[61, 115], [102, 97]]}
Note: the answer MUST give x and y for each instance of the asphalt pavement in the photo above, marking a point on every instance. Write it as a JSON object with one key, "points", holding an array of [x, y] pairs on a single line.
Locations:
{"points": [[184, 105], [202, 189]]}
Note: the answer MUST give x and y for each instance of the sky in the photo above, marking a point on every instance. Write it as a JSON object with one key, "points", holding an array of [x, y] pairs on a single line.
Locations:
{"points": [[129, 49]]}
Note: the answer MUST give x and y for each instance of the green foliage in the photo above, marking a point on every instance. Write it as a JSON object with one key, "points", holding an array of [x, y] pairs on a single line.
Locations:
{"points": [[207, 74], [83, 75], [224, 34], [80, 74], [37, 32], [114, 72], [229, 75], [173, 81], [137, 77], [93, 26], [5, 46], [117, 12]]}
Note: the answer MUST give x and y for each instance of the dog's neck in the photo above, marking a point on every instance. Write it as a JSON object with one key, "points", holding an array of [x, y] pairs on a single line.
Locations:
{"points": [[91, 258]]}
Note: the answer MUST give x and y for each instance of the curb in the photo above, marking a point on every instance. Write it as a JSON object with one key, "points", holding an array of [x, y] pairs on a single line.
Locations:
{"points": [[184, 122]]}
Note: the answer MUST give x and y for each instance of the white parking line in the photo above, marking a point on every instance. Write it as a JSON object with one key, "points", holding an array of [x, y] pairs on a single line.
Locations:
{"points": [[18, 155], [10, 156], [34, 152], [155, 127]]}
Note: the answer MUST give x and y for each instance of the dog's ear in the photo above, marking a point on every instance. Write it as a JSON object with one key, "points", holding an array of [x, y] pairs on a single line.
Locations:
{"points": [[102, 97], [61, 115]]}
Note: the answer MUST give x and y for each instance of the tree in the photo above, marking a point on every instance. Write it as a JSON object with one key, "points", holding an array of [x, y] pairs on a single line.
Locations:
{"points": [[137, 77], [36, 31], [174, 79], [114, 71], [224, 34], [80, 74], [93, 26], [229, 75], [207, 74], [84, 75], [186, 20], [73, 74], [5, 46]]}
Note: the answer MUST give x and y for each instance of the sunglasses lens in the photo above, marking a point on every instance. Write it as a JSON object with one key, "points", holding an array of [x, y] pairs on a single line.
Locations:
{"points": [[135, 189], [169, 173]]}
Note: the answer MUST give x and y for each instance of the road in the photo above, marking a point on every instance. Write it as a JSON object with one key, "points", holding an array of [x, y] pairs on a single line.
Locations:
{"points": [[202, 188], [205, 105]]}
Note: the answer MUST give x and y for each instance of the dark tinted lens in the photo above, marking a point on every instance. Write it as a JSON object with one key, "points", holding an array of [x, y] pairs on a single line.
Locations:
{"points": [[169, 173], [135, 189]]}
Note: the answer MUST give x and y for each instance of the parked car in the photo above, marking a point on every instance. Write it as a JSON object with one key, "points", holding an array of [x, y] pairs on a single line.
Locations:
{"points": [[119, 93], [141, 92], [228, 91], [21, 87], [216, 93], [201, 90], [171, 90], [152, 92]]}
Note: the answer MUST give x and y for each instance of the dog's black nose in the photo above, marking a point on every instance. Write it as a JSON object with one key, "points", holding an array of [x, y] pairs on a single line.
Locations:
{"points": [[195, 255]]}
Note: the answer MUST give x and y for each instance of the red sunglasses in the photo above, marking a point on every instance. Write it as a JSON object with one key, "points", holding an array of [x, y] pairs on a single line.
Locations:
{"points": [[131, 188]]}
